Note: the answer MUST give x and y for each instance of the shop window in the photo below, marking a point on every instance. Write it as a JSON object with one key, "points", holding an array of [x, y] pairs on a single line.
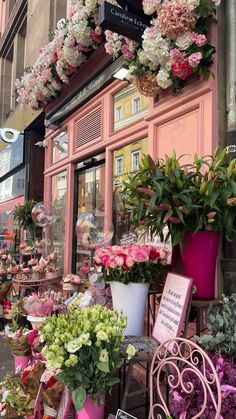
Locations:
{"points": [[128, 106], [119, 165], [13, 186], [131, 156], [137, 105], [59, 188], [60, 146], [135, 160]]}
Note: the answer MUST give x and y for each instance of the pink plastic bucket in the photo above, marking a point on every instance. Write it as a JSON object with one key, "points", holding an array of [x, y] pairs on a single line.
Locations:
{"points": [[22, 361], [90, 410], [199, 253]]}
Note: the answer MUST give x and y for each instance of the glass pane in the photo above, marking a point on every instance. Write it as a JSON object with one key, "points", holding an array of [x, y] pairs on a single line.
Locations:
{"points": [[129, 105], [11, 155], [9, 232], [130, 156], [60, 146], [13, 186], [59, 187], [91, 189]]}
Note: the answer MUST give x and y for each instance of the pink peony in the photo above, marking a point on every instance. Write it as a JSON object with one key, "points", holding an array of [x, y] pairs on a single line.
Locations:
{"points": [[194, 59]]}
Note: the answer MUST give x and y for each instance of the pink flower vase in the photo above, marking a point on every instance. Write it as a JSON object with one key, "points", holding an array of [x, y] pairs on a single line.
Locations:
{"points": [[22, 361], [90, 410], [199, 254]]}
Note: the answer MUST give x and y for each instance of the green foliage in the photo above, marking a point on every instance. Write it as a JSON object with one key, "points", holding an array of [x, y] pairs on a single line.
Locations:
{"points": [[22, 214], [17, 398], [84, 344], [221, 337], [190, 197]]}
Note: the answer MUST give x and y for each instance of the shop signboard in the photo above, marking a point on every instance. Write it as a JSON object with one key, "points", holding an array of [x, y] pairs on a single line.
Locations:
{"points": [[14, 134], [123, 21]]}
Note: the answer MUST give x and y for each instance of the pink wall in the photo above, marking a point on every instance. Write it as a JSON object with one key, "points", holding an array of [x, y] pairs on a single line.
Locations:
{"points": [[186, 123]]}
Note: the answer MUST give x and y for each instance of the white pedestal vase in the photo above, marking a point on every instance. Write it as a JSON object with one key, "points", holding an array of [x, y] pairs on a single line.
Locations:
{"points": [[131, 299]]}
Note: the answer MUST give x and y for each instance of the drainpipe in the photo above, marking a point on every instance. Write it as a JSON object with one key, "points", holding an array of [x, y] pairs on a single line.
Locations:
{"points": [[229, 261]]}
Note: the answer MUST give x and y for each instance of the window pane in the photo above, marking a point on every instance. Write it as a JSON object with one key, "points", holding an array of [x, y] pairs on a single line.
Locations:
{"points": [[60, 146], [129, 105], [130, 156], [13, 186], [59, 187], [11, 155]]}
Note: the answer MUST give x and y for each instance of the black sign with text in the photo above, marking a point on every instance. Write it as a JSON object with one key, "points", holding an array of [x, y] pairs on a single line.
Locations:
{"points": [[135, 6], [123, 22]]}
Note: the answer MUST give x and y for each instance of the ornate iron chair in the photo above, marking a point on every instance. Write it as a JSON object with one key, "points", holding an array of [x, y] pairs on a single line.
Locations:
{"points": [[186, 367]]}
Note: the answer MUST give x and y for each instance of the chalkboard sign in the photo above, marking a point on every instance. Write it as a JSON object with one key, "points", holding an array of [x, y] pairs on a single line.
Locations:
{"points": [[123, 415]]}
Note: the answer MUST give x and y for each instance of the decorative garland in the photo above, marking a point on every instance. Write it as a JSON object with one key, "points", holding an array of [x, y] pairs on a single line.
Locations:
{"points": [[174, 48]]}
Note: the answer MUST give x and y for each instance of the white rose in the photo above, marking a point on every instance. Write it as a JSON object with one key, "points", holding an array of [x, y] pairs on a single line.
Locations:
{"points": [[184, 41], [163, 78]]}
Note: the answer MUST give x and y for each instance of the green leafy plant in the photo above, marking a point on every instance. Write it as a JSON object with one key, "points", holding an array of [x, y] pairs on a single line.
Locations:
{"points": [[84, 344], [221, 337], [15, 397], [22, 214], [188, 197]]}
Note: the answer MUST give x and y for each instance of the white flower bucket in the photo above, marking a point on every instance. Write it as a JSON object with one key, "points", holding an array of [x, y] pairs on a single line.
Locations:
{"points": [[35, 321], [131, 299]]}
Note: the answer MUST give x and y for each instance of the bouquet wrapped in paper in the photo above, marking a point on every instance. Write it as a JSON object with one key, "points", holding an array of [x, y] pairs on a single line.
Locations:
{"points": [[42, 304], [31, 378], [18, 340]]}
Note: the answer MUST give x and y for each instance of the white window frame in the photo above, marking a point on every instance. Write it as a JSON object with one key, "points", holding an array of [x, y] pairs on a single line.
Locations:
{"points": [[118, 115], [135, 101], [134, 153], [119, 160]]}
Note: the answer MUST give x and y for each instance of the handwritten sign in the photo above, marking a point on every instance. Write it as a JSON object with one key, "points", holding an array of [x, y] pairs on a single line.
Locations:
{"points": [[173, 307], [128, 239], [123, 415]]}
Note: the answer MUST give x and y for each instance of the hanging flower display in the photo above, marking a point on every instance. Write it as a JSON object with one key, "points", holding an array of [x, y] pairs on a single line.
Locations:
{"points": [[174, 47]]}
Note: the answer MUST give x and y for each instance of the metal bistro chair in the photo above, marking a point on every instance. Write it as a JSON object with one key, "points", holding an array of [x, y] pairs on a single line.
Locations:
{"points": [[146, 347], [183, 363]]}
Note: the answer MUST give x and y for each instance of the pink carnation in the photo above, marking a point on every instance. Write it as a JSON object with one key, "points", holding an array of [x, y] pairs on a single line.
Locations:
{"points": [[194, 59], [199, 39]]}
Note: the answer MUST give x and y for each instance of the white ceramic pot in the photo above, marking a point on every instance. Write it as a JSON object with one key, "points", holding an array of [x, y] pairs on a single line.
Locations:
{"points": [[131, 299], [35, 321]]}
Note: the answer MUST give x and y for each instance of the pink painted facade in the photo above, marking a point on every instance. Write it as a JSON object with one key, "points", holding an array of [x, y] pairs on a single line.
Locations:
{"points": [[186, 123]]}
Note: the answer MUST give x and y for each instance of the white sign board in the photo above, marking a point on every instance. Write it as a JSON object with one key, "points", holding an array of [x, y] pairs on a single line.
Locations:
{"points": [[173, 307]]}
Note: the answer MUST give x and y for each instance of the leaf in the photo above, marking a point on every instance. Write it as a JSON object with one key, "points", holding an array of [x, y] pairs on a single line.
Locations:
{"points": [[112, 381], [103, 366], [78, 397]]}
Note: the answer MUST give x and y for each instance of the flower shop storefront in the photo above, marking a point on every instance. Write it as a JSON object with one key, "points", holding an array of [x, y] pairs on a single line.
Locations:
{"points": [[102, 142]]}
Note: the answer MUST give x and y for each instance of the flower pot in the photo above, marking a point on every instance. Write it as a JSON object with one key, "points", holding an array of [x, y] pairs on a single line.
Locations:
{"points": [[90, 410], [22, 361], [35, 321], [199, 253], [131, 299]]}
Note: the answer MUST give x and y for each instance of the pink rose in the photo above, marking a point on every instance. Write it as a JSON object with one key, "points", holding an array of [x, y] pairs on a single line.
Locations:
{"points": [[129, 261], [140, 255], [119, 260]]}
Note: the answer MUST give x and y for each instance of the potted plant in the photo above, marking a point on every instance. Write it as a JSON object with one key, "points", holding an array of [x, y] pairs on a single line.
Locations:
{"points": [[194, 201], [130, 270], [23, 217], [84, 344], [220, 343]]}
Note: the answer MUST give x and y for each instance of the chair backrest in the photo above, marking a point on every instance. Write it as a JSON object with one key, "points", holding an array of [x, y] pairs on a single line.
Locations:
{"points": [[174, 307], [188, 372]]}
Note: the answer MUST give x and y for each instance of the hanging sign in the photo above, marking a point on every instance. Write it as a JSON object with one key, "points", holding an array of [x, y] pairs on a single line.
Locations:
{"points": [[14, 134], [123, 415], [122, 21]]}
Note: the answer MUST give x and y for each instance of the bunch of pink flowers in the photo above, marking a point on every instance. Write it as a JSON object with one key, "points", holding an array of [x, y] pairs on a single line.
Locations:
{"points": [[131, 263], [42, 304]]}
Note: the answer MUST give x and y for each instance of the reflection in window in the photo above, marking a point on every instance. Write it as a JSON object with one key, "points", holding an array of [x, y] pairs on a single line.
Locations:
{"points": [[9, 231], [13, 186], [135, 160], [59, 187], [137, 105], [60, 146], [128, 106], [119, 165], [131, 156]]}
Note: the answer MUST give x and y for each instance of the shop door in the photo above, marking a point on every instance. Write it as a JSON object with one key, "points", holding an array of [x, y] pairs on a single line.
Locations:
{"points": [[90, 193]]}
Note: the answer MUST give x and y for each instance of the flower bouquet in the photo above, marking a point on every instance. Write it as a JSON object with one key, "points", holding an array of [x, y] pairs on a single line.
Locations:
{"points": [[84, 345], [42, 304], [17, 339], [51, 394], [71, 282], [31, 378], [15, 401]]}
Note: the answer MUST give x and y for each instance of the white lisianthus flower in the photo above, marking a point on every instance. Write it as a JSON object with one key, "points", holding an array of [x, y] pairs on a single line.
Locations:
{"points": [[103, 356], [184, 41], [55, 363], [130, 351], [102, 335], [163, 78], [84, 339], [73, 345]]}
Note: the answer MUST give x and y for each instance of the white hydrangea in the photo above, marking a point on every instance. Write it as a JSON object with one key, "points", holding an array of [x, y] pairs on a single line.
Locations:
{"points": [[193, 3], [142, 57], [91, 6], [184, 41], [155, 46], [163, 78]]}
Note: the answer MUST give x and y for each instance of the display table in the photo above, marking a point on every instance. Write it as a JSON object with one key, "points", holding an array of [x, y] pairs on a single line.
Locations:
{"points": [[20, 287]]}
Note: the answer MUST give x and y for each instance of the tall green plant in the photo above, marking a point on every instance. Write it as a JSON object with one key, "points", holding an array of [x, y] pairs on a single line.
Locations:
{"points": [[22, 214], [189, 197]]}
